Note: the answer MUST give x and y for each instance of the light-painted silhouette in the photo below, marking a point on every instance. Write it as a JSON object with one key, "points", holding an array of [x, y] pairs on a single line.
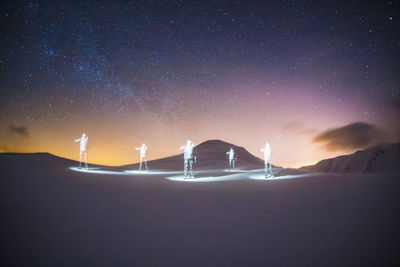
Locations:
{"points": [[143, 150], [82, 148], [267, 164], [188, 158], [231, 159]]}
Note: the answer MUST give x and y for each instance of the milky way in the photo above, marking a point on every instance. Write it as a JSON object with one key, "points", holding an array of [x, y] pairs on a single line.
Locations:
{"points": [[163, 71]]}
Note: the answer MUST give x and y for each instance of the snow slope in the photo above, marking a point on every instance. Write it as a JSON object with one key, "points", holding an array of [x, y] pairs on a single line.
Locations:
{"points": [[380, 158]]}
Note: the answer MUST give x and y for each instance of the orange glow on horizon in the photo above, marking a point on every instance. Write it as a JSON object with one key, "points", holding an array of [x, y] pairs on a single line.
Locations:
{"points": [[112, 138]]}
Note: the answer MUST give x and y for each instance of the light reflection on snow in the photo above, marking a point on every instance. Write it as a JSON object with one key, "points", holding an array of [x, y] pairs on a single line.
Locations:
{"points": [[201, 176], [152, 172], [239, 171], [273, 178], [95, 170], [181, 178], [125, 172]]}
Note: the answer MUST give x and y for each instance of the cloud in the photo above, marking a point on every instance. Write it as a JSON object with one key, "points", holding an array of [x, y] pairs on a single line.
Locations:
{"points": [[19, 130], [391, 117], [298, 127], [292, 126], [310, 131], [352, 136], [394, 104], [4, 149]]}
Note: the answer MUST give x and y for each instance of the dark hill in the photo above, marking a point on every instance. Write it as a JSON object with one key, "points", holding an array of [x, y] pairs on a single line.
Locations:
{"points": [[27, 160], [210, 155], [380, 158]]}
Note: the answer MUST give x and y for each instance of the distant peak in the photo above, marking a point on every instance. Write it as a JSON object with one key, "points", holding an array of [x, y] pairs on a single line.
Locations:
{"points": [[213, 141]]}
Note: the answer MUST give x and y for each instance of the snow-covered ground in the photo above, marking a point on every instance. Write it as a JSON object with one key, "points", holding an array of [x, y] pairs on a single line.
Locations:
{"points": [[56, 214], [201, 175]]}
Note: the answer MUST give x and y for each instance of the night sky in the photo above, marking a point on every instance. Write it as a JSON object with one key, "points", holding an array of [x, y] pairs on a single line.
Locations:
{"points": [[315, 79]]}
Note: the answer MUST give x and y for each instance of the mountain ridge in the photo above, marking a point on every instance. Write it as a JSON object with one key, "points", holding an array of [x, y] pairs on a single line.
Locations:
{"points": [[209, 154], [384, 157]]}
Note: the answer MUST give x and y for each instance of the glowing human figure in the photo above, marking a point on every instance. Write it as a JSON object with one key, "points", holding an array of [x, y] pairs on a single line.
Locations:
{"points": [[143, 150], [267, 164], [188, 158], [232, 159], [82, 148]]}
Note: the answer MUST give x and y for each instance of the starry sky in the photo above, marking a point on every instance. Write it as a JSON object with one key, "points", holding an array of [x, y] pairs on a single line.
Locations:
{"points": [[315, 79]]}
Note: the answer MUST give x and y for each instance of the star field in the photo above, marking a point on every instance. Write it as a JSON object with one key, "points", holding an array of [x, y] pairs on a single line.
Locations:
{"points": [[163, 71]]}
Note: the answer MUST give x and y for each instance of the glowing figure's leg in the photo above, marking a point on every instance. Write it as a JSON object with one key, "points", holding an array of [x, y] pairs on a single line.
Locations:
{"points": [[80, 158], [191, 168], [266, 169], [140, 165], [86, 160], [233, 164], [185, 167], [270, 169], [145, 164]]}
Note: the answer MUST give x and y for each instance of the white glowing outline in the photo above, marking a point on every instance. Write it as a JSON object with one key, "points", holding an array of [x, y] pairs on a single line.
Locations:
{"points": [[239, 171], [181, 178], [234, 175], [261, 176], [125, 172]]}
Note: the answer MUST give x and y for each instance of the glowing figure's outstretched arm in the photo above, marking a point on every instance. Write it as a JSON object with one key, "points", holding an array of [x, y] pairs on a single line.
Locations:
{"points": [[138, 148], [182, 147], [262, 150], [77, 140]]}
